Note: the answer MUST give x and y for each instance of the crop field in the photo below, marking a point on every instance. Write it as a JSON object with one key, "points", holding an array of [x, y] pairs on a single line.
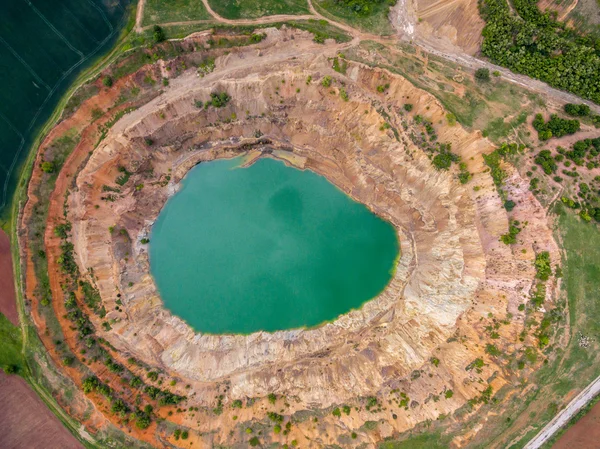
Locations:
{"points": [[26, 422], [43, 48]]}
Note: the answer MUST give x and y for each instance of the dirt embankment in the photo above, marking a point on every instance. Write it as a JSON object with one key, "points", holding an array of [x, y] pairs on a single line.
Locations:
{"points": [[8, 300], [26, 422], [453, 278]]}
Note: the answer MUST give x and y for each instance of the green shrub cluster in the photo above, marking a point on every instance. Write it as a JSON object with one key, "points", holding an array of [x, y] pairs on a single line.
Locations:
{"points": [[555, 127], [511, 237], [545, 160], [535, 44]]}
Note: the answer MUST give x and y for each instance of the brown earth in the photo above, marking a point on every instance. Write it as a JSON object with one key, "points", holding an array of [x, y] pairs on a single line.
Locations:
{"points": [[26, 422], [454, 278], [584, 434], [8, 302]]}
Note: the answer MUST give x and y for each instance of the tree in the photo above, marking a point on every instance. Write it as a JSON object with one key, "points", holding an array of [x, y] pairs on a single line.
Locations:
{"points": [[48, 167], [158, 34], [577, 110], [482, 75], [107, 81]]}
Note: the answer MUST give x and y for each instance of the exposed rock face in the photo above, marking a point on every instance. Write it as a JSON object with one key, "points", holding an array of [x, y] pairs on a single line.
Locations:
{"points": [[453, 270]]}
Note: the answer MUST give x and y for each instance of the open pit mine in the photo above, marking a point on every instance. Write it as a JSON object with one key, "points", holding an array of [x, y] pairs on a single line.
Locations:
{"points": [[419, 351]]}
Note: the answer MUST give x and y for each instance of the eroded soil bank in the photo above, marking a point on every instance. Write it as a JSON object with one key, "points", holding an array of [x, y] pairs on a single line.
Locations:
{"points": [[424, 348]]}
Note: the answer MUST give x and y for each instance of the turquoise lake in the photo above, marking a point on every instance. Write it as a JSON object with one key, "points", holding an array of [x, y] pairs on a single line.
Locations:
{"points": [[268, 247]]}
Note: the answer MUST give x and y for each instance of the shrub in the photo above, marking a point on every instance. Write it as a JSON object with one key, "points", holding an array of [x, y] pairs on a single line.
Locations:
{"points": [[11, 369], [408, 107], [344, 94], [257, 37], [158, 34], [107, 81], [482, 75], [542, 265], [326, 81], [48, 167], [218, 99], [448, 394], [337, 412], [509, 205], [383, 87], [577, 110], [546, 161], [443, 160]]}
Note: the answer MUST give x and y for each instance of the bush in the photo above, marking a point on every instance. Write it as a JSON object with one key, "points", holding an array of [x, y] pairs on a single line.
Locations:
{"points": [[546, 161], [509, 205], [482, 75], [107, 81], [326, 81], [48, 167], [542, 265], [577, 110], [555, 127], [443, 160], [408, 107], [218, 99], [158, 34], [344, 94], [11, 369]]}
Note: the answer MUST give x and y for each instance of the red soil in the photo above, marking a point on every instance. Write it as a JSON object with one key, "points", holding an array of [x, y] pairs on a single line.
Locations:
{"points": [[584, 434], [8, 303], [26, 422]]}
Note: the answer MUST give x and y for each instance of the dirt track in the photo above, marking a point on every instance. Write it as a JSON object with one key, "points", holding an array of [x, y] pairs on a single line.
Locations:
{"points": [[8, 305], [586, 433], [26, 422]]}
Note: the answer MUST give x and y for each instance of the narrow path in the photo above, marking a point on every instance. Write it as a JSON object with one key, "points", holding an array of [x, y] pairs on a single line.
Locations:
{"points": [[139, 15], [565, 415]]}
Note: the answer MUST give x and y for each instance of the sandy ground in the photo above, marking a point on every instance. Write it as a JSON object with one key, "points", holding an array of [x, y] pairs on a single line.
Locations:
{"points": [[8, 304], [26, 422]]}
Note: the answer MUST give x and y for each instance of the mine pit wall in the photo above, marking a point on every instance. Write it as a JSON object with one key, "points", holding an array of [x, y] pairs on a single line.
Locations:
{"points": [[444, 266]]}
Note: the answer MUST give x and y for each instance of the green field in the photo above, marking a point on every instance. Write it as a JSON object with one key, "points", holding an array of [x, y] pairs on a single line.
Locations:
{"points": [[375, 21], [168, 11], [252, 9], [10, 350]]}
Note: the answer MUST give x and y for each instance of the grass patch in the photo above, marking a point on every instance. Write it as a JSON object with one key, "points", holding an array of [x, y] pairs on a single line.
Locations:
{"points": [[167, 11], [423, 441], [321, 29], [374, 21], [251, 9], [10, 349]]}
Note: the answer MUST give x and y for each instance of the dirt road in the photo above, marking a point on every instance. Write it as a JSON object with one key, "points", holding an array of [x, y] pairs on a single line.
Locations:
{"points": [[565, 415]]}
